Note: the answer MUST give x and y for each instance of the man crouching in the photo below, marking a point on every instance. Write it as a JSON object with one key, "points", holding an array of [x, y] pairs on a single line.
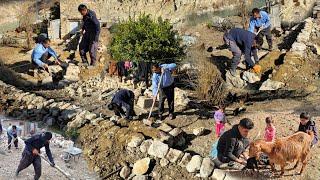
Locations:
{"points": [[31, 153]]}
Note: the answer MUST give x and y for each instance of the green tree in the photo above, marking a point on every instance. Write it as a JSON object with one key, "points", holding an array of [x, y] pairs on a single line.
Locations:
{"points": [[146, 40]]}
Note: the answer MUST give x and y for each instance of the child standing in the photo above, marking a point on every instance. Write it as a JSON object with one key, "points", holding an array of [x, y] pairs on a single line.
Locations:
{"points": [[270, 130], [306, 124], [220, 120]]}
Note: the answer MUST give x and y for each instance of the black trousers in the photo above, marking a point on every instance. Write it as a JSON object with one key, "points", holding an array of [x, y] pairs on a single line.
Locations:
{"points": [[166, 93], [28, 159], [15, 142]]}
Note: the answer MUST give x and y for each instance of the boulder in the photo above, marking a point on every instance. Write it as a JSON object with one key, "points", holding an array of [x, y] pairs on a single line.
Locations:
{"points": [[174, 155], [199, 131], [195, 164], [136, 141], [141, 166], [158, 149], [206, 168], [54, 69], [125, 172], [185, 160], [165, 127], [269, 85], [164, 162], [236, 81], [72, 73], [175, 132], [140, 177], [145, 145], [250, 77], [218, 174], [145, 102], [181, 97]]}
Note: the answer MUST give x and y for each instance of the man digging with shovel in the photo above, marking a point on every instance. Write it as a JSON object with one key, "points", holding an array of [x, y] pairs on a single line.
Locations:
{"points": [[163, 82], [31, 153]]}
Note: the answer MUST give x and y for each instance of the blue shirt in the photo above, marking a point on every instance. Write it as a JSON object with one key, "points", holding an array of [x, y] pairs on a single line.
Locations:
{"points": [[264, 21], [167, 79], [38, 51], [10, 131]]}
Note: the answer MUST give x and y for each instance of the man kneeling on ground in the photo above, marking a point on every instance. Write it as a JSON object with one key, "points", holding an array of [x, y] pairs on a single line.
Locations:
{"points": [[31, 153], [42, 52], [123, 99], [233, 143]]}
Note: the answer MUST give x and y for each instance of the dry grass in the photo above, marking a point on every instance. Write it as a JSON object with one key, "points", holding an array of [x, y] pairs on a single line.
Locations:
{"points": [[209, 84]]}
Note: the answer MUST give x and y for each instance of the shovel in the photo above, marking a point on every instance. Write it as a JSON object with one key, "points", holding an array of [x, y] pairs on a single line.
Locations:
{"points": [[147, 121], [66, 174]]}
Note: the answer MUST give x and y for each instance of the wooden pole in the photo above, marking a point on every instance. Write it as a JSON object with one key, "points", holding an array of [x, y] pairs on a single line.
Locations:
{"points": [[67, 175]]}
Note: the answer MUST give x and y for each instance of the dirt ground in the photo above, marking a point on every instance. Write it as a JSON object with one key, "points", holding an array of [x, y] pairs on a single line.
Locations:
{"points": [[78, 169]]}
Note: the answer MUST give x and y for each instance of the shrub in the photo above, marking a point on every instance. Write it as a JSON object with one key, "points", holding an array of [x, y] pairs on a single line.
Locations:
{"points": [[145, 40], [72, 133]]}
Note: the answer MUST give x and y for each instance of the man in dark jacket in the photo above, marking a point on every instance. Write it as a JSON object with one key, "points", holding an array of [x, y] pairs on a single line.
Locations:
{"points": [[90, 31], [123, 99], [240, 42], [234, 142], [306, 124], [31, 153]]}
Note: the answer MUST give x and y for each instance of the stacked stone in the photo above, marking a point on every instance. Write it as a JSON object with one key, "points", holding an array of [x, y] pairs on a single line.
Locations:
{"points": [[299, 47], [316, 9]]}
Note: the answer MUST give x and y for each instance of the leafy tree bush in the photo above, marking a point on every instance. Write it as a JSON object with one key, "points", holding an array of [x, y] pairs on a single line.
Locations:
{"points": [[145, 40]]}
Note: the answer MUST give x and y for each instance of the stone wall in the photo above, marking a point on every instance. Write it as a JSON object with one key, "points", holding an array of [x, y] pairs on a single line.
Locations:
{"points": [[295, 11], [109, 11]]}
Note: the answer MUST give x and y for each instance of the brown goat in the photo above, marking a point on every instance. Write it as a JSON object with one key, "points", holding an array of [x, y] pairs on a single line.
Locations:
{"points": [[284, 150]]}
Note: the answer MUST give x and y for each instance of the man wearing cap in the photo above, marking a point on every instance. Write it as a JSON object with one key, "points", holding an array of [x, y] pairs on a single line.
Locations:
{"points": [[31, 153]]}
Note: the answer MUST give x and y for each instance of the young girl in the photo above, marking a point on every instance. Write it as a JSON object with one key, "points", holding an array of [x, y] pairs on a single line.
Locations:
{"points": [[220, 120], [270, 130]]}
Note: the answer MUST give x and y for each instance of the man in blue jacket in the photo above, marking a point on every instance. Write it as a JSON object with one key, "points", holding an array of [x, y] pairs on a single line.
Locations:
{"points": [[260, 21], [123, 99], [31, 153], [90, 31], [240, 42], [12, 133], [42, 52], [166, 89]]}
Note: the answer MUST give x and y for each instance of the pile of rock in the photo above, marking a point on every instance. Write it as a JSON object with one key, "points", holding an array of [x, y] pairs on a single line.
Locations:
{"points": [[299, 47]]}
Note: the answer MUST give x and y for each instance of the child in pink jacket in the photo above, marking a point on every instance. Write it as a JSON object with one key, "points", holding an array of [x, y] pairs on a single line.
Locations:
{"points": [[220, 120], [270, 130]]}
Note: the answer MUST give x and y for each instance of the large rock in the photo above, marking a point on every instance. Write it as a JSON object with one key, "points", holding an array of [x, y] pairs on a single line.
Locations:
{"points": [[141, 166], [54, 69], [195, 164], [180, 97], [145, 145], [164, 162], [165, 127], [206, 168], [185, 160], [140, 177], [125, 172], [136, 141], [174, 155], [250, 77], [218, 174], [236, 81], [158, 149], [269, 85], [72, 73], [175, 132], [199, 131], [145, 102]]}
